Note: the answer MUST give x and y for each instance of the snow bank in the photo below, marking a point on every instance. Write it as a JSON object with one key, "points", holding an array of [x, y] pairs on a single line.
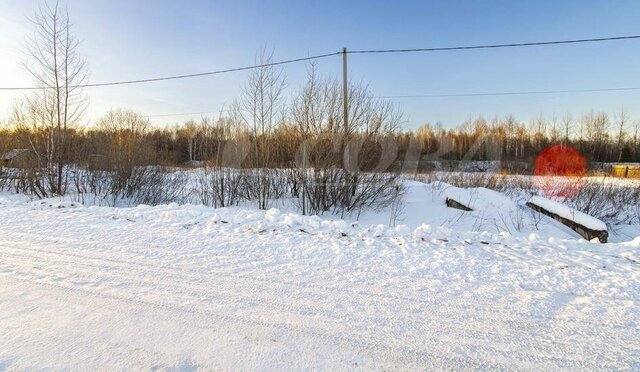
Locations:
{"points": [[479, 198], [11, 199]]}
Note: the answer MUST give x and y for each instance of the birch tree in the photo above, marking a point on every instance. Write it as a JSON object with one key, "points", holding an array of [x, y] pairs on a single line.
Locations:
{"points": [[58, 103]]}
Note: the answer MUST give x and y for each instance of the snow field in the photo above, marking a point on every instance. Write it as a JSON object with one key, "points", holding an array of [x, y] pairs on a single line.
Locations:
{"points": [[186, 287]]}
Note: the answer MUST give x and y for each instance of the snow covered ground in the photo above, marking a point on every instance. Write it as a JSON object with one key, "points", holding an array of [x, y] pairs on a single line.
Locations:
{"points": [[186, 287]]}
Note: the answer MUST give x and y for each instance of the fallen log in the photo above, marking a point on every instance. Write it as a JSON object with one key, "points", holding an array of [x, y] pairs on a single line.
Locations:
{"points": [[457, 205], [588, 227]]}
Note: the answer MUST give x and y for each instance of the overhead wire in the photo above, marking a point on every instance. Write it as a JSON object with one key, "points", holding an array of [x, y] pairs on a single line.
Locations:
{"points": [[319, 56]]}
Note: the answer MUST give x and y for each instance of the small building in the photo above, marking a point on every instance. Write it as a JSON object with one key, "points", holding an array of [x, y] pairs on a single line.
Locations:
{"points": [[631, 170], [194, 163], [11, 157], [98, 162]]}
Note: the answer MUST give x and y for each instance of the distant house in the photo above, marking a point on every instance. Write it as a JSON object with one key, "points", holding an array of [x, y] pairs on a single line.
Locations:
{"points": [[12, 156], [194, 163], [626, 170], [98, 162]]}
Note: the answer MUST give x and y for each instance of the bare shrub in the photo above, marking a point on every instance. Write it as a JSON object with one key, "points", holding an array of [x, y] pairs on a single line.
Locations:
{"points": [[151, 185], [608, 200], [339, 191], [397, 205], [220, 187], [155, 185], [93, 186]]}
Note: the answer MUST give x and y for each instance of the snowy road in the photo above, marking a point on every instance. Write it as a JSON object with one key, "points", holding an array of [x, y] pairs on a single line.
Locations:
{"points": [[191, 287]]}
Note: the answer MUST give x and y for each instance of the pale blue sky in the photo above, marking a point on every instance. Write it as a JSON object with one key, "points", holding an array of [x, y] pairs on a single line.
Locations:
{"points": [[140, 39]]}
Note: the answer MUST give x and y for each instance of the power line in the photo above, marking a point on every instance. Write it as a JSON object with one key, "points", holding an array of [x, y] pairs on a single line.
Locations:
{"points": [[491, 46], [482, 94], [494, 46], [175, 77]]}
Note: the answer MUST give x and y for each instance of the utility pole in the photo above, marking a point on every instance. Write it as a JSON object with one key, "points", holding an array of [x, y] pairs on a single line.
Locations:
{"points": [[345, 110], [345, 91], [304, 170]]}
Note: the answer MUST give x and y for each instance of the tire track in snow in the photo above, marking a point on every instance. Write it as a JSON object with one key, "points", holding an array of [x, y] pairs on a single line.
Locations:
{"points": [[435, 298], [265, 296], [405, 353], [438, 323]]}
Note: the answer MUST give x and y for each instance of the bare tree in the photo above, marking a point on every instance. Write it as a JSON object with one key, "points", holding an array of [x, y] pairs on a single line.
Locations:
{"points": [[567, 124], [635, 140], [57, 69], [262, 97], [192, 133], [554, 132], [125, 146], [622, 120], [539, 130], [595, 126]]}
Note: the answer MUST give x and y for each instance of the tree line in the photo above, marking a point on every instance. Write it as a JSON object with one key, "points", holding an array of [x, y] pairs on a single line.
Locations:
{"points": [[124, 138]]}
